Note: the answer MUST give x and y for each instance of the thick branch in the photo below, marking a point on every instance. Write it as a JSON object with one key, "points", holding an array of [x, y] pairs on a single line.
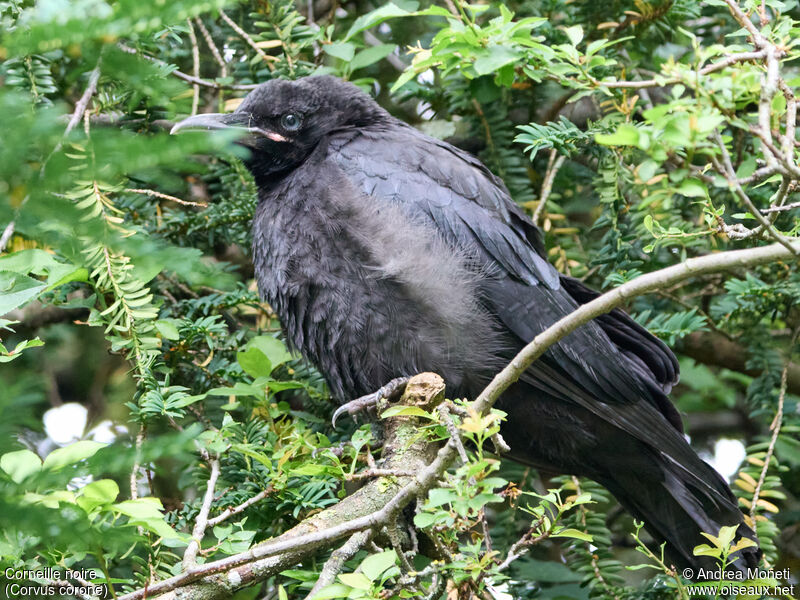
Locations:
{"points": [[361, 510], [714, 349], [372, 506]]}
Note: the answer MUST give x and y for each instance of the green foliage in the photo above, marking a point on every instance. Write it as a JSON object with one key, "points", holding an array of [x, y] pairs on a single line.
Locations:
{"points": [[125, 282]]}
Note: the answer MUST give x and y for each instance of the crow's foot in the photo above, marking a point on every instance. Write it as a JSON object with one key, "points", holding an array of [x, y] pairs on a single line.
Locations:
{"points": [[389, 391]]}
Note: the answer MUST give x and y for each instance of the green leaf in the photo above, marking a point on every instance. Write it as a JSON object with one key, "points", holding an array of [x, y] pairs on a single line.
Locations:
{"points": [[371, 55], [43, 263], [376, 17], [98, 493], [238, 389], [335, 590], [706, 550], [342, 50], [407, 411], [494, 58], [20, 464], [16, 290], [141, 508], [69, 455], [274, 349], [254, 362], [312, 469], [439, 496], [6, 356], [726, 535], [574, 33], [355, 580], [625, 135], [373, 566], [147, 513], [574, 534], [693, 188], [424, 519], [168, 328]]}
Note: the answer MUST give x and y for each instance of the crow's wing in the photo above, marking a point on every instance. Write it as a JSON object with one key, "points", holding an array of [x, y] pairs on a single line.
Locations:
{"points": [[611, 368], [468, 204], [471, 208]]}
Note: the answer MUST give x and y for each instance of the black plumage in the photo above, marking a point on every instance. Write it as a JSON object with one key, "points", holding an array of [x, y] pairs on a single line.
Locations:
{"points": [[386, 253]]}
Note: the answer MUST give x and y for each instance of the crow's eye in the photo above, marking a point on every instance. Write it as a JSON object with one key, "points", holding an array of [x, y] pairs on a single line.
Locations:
{"points": [[291, 122]]}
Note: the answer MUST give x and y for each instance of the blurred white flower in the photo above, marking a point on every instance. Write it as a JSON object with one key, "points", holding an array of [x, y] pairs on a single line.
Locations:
{"points": [[66, 423]]}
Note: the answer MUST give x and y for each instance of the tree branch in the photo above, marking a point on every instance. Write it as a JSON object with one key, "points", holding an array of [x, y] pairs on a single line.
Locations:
{"points": [[714, 349], [188, 78], [334, 564], [359, 511], [229, 512], [643, 284], [370, 507], [201, 523]]}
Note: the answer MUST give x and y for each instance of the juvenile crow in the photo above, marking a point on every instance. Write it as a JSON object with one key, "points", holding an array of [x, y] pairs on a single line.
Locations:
{"points": [[386, 253]]}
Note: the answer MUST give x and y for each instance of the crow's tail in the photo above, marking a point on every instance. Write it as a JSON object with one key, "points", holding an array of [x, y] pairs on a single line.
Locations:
{"points": [[680, 502]]}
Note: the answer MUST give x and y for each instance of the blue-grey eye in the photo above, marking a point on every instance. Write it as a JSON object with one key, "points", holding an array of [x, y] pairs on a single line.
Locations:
{"points": [[291, 122]]}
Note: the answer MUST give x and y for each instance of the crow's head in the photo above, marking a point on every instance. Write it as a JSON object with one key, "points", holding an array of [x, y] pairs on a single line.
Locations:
{"points": [[283, 121]]}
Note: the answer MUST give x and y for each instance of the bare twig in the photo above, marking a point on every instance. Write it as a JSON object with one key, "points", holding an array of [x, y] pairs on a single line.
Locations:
{"points": [[554, 163], [336, 561], [521, 546], [201, 522], [223, 68], [375, 472], [727, 170], [188, 78], [775, 428], [6, 237], [781, 207], [78, 113], [163, 196], [712, 68], [195, 67], [745, 22], [229, 512], [83, 101], [762, 13], [250, 42], [137, 463]]}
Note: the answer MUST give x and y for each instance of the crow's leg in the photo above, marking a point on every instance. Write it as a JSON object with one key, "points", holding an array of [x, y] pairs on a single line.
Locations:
{"points": [[389, 391]]}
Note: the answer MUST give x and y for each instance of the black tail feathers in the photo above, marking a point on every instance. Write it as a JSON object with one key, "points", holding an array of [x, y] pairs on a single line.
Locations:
{"points": [[680, 503]]}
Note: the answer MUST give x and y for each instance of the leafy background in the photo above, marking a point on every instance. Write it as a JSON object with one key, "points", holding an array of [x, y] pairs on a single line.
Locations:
{"points": [[131, 321]]}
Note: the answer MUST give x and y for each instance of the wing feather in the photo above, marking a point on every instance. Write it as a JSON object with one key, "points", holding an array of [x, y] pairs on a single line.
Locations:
{"points": [[608, 361]]}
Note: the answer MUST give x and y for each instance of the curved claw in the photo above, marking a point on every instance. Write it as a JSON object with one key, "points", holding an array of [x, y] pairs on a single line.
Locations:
{"points": [[337, 413], [356, 406]]}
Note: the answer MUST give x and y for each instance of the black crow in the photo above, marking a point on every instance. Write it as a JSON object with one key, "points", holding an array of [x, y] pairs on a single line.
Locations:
{"points": [[386, 253]]}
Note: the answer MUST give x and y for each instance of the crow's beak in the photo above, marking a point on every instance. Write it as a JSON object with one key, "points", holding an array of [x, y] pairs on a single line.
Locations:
{"points": [[238, 121]]}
